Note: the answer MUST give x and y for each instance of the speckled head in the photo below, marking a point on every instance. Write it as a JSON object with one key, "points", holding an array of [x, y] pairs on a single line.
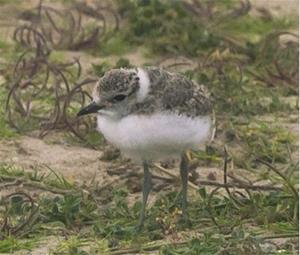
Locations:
{"points": [[117, 91], [119, 83]]}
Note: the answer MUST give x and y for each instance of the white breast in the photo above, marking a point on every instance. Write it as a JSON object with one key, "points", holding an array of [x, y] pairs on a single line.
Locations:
{"points": [[156, 136]]}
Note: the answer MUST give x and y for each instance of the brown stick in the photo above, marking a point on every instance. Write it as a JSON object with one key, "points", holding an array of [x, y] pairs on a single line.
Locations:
{"points": [[222, 185], [33, 184]]}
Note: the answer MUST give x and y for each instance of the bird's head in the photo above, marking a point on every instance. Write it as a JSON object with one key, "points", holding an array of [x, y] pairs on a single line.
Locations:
{"points": [[114, 93]]}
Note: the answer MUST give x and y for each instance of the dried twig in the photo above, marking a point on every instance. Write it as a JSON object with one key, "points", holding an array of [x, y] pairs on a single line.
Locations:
{"points": [[292, 235], [19, 181], [149, 247], [29, 70], [18, 230], [274, 169], [209, 207], [241, 186], [165, 171], [66, 28], [222, 185], [279, 72]]}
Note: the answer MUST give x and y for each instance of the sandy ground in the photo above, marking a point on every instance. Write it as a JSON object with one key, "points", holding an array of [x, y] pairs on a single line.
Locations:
{"points": [[32, 153], [278, 7]]}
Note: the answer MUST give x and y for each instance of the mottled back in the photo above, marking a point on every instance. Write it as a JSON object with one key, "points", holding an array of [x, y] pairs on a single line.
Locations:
{"points": [[174, 92]]}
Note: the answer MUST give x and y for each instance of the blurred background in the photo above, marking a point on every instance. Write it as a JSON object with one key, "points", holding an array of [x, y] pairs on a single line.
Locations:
{"points": [[64, 190]]}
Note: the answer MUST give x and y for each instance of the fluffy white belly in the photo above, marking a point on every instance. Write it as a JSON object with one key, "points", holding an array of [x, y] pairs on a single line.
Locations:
{"points": [[156, 136]]}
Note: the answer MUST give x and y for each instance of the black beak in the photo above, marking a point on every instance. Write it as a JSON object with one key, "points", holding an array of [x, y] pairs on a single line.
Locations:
{"points": [[91, 108]]}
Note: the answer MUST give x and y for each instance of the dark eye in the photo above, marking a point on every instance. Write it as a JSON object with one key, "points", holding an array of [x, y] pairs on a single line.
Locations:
{"points": [[119, 97]]}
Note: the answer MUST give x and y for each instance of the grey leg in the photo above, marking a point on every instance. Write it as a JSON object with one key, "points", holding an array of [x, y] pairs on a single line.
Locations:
{"points": [[184, 172], [146, 190]]}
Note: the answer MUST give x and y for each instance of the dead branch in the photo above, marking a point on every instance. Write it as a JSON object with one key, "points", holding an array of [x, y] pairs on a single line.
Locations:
{"points": [[19, 181]]}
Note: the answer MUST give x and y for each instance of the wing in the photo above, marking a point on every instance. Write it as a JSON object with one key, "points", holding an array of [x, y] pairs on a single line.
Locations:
{"points": [[184, 96], [174, 92]]}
